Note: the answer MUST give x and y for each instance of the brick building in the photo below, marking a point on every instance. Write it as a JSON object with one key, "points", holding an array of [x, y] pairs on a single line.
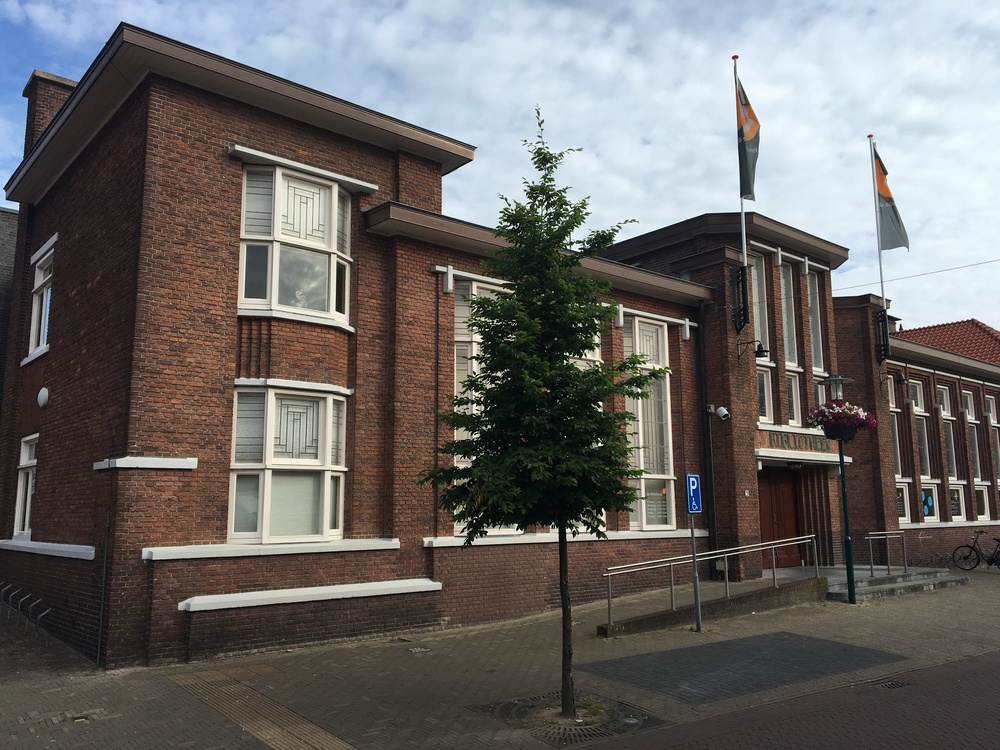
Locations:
{"points": [[238, 309]]}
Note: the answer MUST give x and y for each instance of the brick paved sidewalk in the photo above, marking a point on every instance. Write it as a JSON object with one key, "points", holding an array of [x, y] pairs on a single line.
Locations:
{"points": [[434, 689]]}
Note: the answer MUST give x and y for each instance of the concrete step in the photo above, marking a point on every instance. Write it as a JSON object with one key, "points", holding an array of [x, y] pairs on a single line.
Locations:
{"points": [[896, 585]]}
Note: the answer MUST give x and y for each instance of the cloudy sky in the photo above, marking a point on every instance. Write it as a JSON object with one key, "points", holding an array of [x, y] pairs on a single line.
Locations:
{"points": [[645, 88]]}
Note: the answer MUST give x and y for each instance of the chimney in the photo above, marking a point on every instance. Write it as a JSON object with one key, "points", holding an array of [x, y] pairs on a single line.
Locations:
{"points": [[46, 93]]}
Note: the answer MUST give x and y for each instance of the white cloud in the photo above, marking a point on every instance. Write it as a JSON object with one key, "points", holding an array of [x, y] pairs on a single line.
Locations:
{"points": [[645, 88]]}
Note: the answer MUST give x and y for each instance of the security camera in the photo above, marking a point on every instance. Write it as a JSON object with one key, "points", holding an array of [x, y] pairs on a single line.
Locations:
{"points": [[722, 413]]}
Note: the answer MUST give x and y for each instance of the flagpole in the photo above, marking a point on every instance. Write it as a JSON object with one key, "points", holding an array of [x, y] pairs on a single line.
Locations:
{"points": [[878, 219], [743, 217]]}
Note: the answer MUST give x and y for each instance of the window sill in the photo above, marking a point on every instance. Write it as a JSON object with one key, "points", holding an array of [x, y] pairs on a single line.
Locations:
{"points": [[73, 551], [553, 538], [35, 354], [206, 551], [311, 594], [249, 312]]}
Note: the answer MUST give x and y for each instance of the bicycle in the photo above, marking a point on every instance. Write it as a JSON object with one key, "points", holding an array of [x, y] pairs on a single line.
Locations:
{"points": [[968, 556]]}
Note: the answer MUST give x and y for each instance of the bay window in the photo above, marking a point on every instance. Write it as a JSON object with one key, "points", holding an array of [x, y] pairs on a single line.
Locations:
{"points": [[295, 253], [288, 466]]}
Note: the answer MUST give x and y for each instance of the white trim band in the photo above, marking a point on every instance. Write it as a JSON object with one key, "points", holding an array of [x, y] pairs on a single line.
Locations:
{"points": [[253, 156], [74, 551], [293, 385], [206, 551], [312, 594], [146, 462], [553, 538]]}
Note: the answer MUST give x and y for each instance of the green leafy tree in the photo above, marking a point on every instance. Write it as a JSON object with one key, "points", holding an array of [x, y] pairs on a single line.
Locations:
{"points": [[537, 440]]}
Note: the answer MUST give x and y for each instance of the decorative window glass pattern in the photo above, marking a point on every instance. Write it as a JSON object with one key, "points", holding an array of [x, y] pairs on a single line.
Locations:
{"points": [[295, 253], [288, 466], [651, 440], [928, 503], [815, 321], [25, 487], [760, 301], [788, 313]]}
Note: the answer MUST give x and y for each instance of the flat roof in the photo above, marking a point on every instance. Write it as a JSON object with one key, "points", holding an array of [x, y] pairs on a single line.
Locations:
{"points": [[132, 54]]}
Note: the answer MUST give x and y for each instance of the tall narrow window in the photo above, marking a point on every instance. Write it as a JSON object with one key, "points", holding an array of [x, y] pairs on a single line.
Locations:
{"points": [[41, 298], [948, 425], [765, 403], [788, 313], [816, 321], [794, 407], [295, 255], [651, 440], [760, 301], [288, 466], [972, 418], [25, 487]]}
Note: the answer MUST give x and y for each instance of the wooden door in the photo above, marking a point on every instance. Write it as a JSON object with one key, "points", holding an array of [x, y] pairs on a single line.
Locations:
{"points": [[778, 515]]}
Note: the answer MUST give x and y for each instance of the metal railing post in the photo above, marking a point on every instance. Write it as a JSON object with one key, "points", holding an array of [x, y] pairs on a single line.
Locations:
{"points": [[609, 602], [871, 557], [774, 567], [725, 570], [906, 569], [673, 603], [815, 557]]}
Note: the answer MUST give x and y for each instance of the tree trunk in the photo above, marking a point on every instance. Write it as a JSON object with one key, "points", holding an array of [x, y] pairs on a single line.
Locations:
{"points": [[568, 693]]}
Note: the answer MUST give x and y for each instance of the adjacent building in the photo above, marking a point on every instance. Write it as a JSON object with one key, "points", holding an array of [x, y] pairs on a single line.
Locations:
{"points": [[237, 310]]}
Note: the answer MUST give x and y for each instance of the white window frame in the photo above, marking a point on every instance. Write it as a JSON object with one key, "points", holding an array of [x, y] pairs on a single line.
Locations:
{"points": [[760, 302], [981, 490], [815, 320], [956, 491], [972, 434], [41, 297], [650, 482], [765, 396], [932, 490], [904, 517], [26, 477], [330, 469], [334, 243], [788, 309], [465, 290], [948, 427], [794, 399]]}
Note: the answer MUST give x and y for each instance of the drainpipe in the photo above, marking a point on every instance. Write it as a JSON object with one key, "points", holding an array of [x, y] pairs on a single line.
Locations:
{"points": [[706, 443]]}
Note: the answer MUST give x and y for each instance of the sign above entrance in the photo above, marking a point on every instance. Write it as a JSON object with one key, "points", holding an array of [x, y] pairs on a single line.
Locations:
{"points": [[796, 441]]}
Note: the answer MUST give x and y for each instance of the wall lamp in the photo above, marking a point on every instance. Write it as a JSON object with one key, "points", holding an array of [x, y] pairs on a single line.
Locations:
{"points": [[760, 352], [900, 378]]}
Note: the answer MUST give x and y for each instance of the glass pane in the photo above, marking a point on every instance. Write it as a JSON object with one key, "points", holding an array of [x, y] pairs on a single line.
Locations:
{"points": [[955, 504], [651, 343], [343, 222], [654, 429], [247, 506], [249, 437], [981, 503], [974, 452], [304, 279], [627, 335], [258, 205], [336, 431], [815, 321], [922, 449], [901, 510], [306, 211], [335, 502], [296, 428], [463, 293], [762, 410], [792, 383], [944, 400], [760, 302], [341, 289], [788, 313], [256, 261], [897, 464], [949, 449], [296, 503], [928, 506], [657, 502]]}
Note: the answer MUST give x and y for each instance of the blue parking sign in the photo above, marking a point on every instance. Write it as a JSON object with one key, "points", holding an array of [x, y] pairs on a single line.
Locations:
{"points": [[693, 492]]}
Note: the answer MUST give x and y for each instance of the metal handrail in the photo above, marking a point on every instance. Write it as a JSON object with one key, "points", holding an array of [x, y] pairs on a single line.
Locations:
{"points": [[885, 536], [723, 554]]}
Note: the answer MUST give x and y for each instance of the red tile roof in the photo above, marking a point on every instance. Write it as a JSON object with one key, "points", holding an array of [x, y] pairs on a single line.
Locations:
{"points": [[970, 338]]}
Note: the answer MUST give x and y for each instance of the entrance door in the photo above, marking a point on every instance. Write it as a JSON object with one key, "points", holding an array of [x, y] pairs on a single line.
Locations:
{"points": [[778, 516]]}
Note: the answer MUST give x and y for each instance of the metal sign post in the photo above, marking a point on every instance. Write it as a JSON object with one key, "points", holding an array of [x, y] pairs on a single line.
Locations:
{"points": [[693, 482]]}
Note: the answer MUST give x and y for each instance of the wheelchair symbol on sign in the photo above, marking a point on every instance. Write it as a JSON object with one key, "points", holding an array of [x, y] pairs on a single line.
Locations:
{"points": [[693, 492]]}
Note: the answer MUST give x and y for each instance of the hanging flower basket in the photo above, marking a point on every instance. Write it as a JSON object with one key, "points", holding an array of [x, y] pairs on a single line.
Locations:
{"points": [[840, 420]]}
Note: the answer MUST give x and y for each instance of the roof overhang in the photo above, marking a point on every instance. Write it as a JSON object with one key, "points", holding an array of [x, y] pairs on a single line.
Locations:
{"points": [[396, 220], [132, 54], [759, 227], [913, 353]]}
